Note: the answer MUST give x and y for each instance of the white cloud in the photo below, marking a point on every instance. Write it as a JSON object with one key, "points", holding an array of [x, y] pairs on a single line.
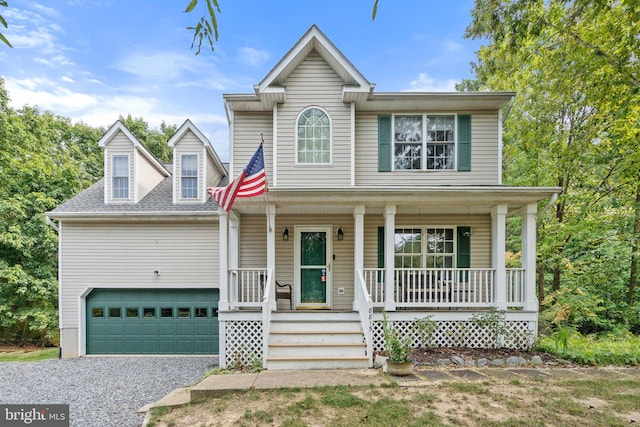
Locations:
{"points": [[158, 66], [67, 79], [425, 83], [251, 56], [48, 95]]}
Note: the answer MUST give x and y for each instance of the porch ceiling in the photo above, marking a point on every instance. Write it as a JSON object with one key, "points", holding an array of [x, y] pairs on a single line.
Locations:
{"points": [[440, 200]]}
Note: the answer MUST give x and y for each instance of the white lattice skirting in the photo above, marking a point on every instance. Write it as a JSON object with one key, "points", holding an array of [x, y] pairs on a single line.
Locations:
{"points": [[456, 333], [243, 341]]}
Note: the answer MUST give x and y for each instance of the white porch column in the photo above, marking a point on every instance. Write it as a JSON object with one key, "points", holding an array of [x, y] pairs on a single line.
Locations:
{"points": [[271, 251], [498, 240], [358, 251], [528, 214], [223, 224], [234, 251], [389, 255]]}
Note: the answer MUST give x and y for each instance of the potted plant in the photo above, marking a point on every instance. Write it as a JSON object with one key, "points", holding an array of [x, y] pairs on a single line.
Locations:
{"points": [[398, 349]]}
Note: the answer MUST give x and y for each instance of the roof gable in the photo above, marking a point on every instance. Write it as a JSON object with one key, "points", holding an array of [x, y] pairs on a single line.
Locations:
{"points": [[314, 39], [117, 127], [189, 126]]}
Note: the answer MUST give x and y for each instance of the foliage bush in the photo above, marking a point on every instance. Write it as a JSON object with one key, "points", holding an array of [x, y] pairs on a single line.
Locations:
{"points": [[619, 347]]}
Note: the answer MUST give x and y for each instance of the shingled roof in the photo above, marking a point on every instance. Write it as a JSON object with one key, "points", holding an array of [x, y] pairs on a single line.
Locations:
{"points": [[159, 201]]}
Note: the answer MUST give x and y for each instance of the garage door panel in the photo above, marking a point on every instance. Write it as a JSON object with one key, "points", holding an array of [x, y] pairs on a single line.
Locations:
{"points": [[158, 321]]}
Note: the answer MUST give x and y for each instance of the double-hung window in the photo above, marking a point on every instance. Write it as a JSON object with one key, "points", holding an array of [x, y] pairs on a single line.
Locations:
{"points": [[120, 176], [189, 176], [313, 144], [424, 247], [424, 142]]}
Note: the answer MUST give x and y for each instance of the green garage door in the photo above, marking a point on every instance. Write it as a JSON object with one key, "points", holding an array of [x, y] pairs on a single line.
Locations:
{"points": [[152, 321]]}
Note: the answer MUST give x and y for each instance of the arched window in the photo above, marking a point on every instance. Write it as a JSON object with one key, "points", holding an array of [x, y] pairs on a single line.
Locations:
{"points": [[314, 137]]}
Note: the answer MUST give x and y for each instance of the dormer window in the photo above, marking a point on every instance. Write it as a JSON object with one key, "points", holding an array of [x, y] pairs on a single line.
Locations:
{"points": [[120, 176], [313, 137], [189, 176]]}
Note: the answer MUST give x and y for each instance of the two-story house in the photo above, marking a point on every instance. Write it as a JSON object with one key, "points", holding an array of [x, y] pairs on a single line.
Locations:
{"points": [[377, 202]]}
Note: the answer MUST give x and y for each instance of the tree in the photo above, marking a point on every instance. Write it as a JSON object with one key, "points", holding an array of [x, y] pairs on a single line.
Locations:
{"points": [[3, 22], [575, 120], [44, 160]]}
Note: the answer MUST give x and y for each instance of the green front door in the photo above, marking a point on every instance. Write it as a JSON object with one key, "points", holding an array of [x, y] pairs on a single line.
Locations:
{"points": [[314, 267], [152, 321]]}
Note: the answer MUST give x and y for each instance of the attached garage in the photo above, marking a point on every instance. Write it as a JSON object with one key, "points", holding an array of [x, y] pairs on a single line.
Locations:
{"points": [[152, 321]]}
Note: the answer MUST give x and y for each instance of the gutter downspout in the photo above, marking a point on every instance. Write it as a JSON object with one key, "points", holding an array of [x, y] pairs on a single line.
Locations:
{"points": [[553, 200], [52, 224]]}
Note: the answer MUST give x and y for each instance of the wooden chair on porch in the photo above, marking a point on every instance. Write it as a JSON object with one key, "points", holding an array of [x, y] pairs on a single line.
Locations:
{"points": [[283, 291]]}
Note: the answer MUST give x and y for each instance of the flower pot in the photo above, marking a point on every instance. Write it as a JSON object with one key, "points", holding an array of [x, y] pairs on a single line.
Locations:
{"points": [[399, 369]]}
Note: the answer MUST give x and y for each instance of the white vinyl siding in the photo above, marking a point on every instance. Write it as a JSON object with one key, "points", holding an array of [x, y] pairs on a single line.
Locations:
{"points": [[109, 255], [313, 84], [254, 255], [484, 156], [148, 176], [246, 138]]}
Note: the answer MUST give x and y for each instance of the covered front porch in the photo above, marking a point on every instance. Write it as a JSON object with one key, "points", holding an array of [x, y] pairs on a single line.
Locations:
{"points": [[347, 262]]}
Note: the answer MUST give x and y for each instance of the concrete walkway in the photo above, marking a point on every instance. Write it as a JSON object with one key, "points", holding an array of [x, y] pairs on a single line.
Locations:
{"points": [[218, 385]]}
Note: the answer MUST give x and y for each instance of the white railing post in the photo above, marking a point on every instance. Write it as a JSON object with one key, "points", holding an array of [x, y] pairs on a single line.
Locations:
{"points": [[358, 247], [365, 310], [498, 239], [266, 317], [223, 223], [271, 250], [529, 255], [389, 254]]}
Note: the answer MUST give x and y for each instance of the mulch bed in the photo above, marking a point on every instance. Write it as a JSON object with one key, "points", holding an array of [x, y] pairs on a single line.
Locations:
{"points": [[13, 348]]}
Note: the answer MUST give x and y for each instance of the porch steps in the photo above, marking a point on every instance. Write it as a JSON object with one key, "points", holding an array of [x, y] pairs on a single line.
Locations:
{"points": [[316, 340]]}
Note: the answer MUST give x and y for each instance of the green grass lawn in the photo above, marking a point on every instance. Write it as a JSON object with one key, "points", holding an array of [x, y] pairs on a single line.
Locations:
{"points": [[492, 403], [29, 356]]}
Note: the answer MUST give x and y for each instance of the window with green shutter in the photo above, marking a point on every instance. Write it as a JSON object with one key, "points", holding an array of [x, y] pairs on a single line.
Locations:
{"points": [[464, 143], [384, 143]]}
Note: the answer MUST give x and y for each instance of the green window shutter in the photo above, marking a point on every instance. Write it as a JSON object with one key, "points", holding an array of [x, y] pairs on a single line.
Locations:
{"points": [[463, 253], [380, 251], [464, 143], [384, 143]]}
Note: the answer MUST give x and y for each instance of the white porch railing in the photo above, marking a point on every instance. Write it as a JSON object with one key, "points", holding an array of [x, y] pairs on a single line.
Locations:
{"points": [[364, 306], [266, 318], [443, 287], [515, 287], [247, 287]]}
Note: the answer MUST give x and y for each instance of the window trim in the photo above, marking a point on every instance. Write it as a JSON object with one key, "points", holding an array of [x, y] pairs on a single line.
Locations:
{"points": [[423, 243], [330, 162], [423, 158], [197, 177], [113, 176]]}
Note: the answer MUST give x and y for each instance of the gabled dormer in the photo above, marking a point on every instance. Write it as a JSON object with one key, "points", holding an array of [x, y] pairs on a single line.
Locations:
{"points": [[196, 165], [130, 170]]}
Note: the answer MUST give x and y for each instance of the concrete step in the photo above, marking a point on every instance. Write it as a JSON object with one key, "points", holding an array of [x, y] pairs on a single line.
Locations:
{"points": [[317, 362]]}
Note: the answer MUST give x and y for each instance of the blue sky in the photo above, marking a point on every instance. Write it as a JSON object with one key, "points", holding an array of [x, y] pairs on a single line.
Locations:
{"points": [[93, 60]]}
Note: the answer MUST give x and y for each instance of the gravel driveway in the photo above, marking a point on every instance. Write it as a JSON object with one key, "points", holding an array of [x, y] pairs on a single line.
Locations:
{"points": [[101, 391]]}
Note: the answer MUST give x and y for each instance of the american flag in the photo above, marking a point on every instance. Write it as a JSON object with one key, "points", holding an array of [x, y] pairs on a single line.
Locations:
{"points": [[251, 182]]}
